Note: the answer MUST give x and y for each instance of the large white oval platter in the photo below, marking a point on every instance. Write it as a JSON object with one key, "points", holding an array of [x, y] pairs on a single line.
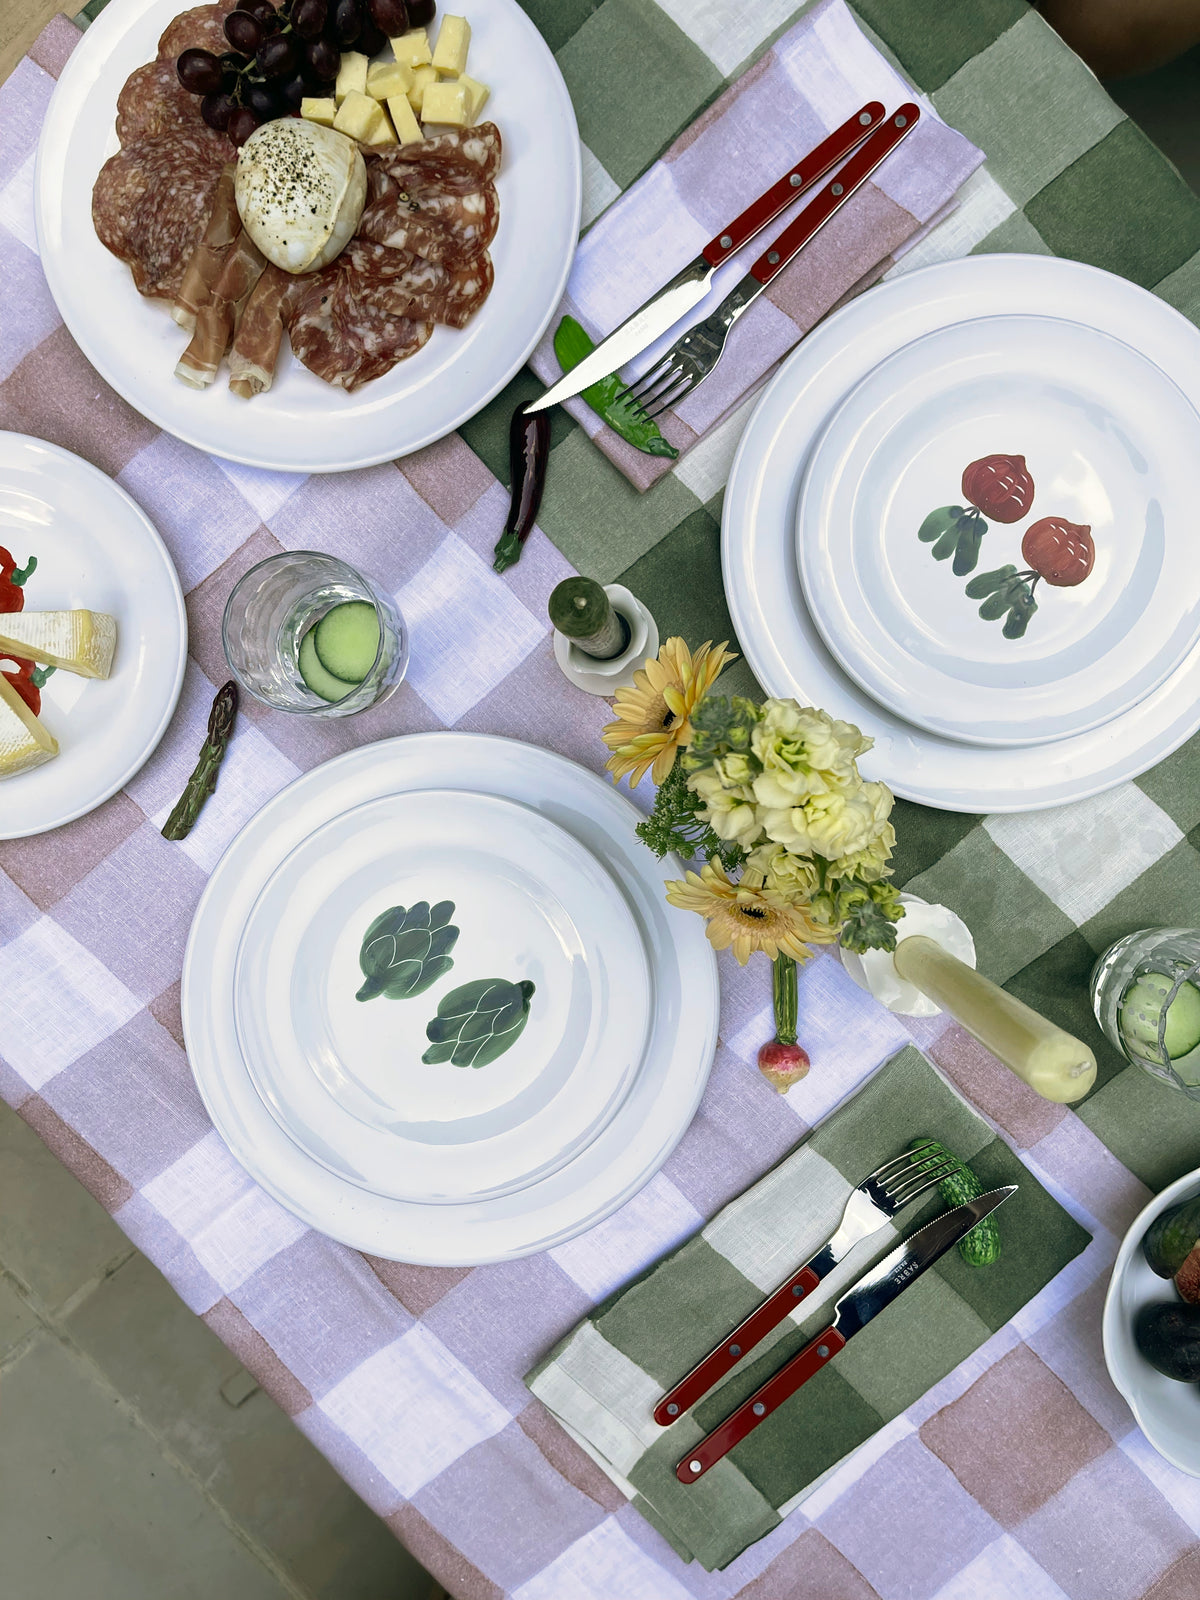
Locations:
{"points": [[1108, 441], [346, 1077], [303, 424], [762, 580], [96, 551], [654, 1113]]}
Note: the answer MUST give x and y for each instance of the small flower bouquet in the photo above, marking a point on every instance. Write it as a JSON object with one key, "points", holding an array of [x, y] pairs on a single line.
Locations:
{"points": [[795, 842]]}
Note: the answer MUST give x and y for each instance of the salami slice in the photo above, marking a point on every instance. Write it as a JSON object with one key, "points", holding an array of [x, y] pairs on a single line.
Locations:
{"points": [[153, 103], [151, 203], [403, 284], [343, 338], [201, 28], [440, 225], [461, 157]]}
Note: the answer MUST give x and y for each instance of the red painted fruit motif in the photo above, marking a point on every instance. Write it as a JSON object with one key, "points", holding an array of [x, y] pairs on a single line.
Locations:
{"points": [[999, 486], [1062, 552]]}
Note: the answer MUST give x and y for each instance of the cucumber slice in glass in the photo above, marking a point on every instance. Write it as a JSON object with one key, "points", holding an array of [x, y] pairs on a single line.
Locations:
{"points": [[1141, 1012], [347, 640], [314, 674]]}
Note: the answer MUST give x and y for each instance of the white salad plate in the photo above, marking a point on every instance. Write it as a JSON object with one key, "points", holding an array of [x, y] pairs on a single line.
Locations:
{"points": [[96, 550], [762, 580], [342, 1066], [302, 424], [1167, 1411], [657, 1104], [1108, 442]]}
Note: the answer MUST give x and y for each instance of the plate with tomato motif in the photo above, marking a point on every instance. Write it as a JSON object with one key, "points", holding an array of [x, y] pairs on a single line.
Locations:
{"points": [[995, 530], [781, 641]]}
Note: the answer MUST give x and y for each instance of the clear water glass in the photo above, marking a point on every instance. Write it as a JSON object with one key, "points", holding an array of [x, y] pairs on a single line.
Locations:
{"points": [[1170, 958], [275, 604]]}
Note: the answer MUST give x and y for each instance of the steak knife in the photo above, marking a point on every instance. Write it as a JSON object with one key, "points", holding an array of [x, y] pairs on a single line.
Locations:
{"points": [[873, 1293], [689, 287]]}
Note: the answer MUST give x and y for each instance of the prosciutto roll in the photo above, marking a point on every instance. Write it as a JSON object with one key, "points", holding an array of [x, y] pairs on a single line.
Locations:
{"points": [[209, 257]]}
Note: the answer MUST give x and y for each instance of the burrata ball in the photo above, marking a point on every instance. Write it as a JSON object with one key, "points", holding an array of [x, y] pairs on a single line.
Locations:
{"points": [[300, 190]]}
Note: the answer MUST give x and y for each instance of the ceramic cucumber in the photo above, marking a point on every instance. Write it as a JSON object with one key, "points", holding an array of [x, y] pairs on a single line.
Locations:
{"points": [[982, 1245], [346, 640]]}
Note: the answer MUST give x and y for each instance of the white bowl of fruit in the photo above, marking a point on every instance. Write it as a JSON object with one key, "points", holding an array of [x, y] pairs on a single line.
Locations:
{"points": [[1152, 1322]]}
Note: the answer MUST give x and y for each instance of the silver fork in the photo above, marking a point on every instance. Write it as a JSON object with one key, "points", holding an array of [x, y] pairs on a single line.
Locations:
{"points": [[694, 355], [878, 1198]]}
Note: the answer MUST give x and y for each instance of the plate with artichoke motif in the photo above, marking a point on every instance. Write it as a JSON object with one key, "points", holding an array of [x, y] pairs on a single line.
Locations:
{"points": [[442, 996], [563, 837], [994, 530]]}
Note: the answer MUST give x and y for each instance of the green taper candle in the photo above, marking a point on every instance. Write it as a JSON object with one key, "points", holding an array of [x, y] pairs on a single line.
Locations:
{"points": [[580, 609]]}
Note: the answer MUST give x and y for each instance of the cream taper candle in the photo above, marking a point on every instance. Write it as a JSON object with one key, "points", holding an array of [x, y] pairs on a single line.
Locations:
{"points": [[1059, 1066]]}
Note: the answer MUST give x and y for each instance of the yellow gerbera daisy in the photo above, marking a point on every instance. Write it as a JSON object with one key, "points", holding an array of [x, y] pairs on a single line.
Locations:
{"points": [[747, 919], [653, 716]]}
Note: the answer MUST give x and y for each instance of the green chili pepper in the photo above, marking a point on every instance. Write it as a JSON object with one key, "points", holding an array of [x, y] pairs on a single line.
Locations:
{"points": [[624, 417]]}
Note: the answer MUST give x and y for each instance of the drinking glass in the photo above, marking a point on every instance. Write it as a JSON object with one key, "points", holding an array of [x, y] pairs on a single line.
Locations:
{"points": [[274, 605], [1146, 996]]}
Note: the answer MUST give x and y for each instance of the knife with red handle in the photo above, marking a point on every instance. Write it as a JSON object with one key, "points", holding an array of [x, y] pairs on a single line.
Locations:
{"points": [[689, 287], [873, 1292]]}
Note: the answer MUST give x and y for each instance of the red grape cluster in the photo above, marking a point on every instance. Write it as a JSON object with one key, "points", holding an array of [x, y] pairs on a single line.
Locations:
{"points": [[276, 57]]}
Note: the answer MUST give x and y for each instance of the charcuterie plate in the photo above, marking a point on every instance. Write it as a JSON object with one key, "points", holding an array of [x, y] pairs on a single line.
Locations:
{"points": [[302, 424]]}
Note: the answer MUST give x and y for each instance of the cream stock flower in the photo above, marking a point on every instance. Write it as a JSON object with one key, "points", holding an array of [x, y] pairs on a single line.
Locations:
{"points": [[831, 825], [802, 752], [773, 867]]}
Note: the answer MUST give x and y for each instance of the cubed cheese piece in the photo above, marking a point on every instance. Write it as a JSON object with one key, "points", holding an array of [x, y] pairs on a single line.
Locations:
{"points": [[388, 78], [384, 133], [422, 78], [76, 641], [322, 111], [24, 742], [359, 117], [404, 120], [352, 75], [412, 48], [477, 94], [446, 102], [454, 39]]}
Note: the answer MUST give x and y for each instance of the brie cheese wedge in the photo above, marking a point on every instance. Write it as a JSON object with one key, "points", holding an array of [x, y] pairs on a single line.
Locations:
{"points": [[76, 641], [300, 190], [24, 742]]}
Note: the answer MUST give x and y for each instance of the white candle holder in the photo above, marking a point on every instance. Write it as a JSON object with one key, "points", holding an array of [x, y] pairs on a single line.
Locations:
{"points": [[875, 971], [606, 677]]}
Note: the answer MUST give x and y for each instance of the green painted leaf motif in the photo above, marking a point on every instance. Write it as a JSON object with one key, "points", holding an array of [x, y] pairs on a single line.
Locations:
{"points": [[939, 522], [989, 582], [405, 951], [478, 1022]]}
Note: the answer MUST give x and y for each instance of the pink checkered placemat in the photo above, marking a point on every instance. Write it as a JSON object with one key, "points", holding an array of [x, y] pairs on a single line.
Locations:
{"points": [[1020, 1477]]}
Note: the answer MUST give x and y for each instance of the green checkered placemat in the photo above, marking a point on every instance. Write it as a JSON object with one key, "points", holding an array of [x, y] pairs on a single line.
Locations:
{"points": [[1067, 173], [603, 1380]]}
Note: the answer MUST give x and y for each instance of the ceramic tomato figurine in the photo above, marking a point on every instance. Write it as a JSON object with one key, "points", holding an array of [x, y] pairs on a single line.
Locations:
{"points": [[1059, 551], [1000, 486]]}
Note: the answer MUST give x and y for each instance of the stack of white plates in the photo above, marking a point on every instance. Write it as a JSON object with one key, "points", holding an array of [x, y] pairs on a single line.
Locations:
{"points": [[333, 1094], [866, 432]]}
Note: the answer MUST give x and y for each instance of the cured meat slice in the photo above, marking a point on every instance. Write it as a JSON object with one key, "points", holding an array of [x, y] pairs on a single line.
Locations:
{"points": [[208, 258], [197, 366], [407, 285], [259, 334], [242, 269], [153, 103], [462, 157], [440, 226], [151, 203], [201, 28], [345, 338]]}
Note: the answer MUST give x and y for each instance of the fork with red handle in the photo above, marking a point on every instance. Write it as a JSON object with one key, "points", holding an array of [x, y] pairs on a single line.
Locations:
{"points": [[876, 1201]]}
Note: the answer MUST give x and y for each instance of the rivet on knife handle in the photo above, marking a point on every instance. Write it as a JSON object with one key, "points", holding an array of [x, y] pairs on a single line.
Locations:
{"points": [[730, 1351], [852, 176], [778, 1388], [803, 175]]}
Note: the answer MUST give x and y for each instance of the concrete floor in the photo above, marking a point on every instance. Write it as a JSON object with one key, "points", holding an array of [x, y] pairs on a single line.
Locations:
{"points": [[136, 1461]]}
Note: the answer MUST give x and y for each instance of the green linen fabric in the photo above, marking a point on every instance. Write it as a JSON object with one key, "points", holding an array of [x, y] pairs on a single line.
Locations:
{"points": [[603, 1380]]}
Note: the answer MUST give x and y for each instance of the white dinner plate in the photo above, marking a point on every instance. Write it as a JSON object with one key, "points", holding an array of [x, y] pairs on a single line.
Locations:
{"points": [[659, 1103], [303, 424], [96, 550], [1106, 440], [762, 580], [342, 1066]]}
